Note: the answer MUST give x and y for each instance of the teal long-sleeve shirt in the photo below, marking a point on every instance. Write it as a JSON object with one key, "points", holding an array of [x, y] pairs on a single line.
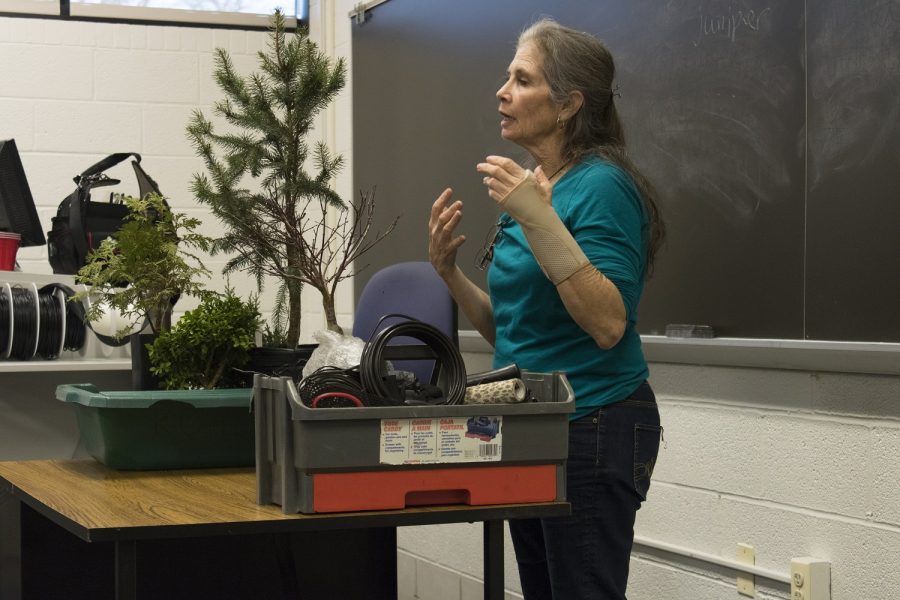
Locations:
{"points": [[600, 205]]}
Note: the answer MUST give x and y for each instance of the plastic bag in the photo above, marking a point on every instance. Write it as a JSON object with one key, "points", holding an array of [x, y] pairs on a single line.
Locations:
{"points": [[334, 350]]}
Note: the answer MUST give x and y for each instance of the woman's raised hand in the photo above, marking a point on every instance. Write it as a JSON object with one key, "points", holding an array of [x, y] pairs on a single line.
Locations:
{"points": [[442, 245], [502, 175]]}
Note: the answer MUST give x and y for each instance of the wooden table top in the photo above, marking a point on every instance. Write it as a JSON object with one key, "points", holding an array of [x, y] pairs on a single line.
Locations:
{"points": [[98, 503]]}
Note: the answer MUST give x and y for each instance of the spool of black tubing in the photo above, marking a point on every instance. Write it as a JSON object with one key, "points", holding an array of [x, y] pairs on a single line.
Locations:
{"points": [[24, 324], [453, 371], [5, 307], [76, 330], [50, 334], [330, 381]]}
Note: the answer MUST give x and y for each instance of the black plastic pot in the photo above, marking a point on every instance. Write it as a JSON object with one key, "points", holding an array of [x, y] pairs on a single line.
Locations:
{"points": [[141, 377], [279, 362]]}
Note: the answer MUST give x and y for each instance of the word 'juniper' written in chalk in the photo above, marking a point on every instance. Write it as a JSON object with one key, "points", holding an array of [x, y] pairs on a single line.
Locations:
{"points": [[727, 25]]}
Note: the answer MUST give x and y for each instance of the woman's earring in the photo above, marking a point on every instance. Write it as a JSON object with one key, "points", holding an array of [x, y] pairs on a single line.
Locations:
{"points": [[559, 122]]}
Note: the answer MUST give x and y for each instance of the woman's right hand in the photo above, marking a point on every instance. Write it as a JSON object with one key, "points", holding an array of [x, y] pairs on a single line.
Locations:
{"points": [[442, 245]]}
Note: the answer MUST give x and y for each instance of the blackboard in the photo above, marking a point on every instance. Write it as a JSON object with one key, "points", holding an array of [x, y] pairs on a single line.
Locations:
{"points": [[770, 128]]}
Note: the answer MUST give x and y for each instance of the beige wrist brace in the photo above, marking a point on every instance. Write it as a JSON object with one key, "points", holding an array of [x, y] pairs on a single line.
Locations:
{"points": [[554, 248]]}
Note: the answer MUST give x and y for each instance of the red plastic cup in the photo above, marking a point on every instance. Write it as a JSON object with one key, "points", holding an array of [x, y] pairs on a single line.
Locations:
{"points": [[9, 245]]}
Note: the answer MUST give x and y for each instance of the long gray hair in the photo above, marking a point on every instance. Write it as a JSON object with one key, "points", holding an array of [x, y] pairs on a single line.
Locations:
{"points": [[577, 61]]}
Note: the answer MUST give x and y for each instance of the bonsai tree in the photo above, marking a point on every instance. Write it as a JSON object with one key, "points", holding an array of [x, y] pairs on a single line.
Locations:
{"points": [[280, 228], [271, 113], [332, 249], [206, 343], [146, 265]]}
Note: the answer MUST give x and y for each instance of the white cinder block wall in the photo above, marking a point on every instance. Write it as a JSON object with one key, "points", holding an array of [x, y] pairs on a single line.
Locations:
{"points": [[792, 462], [72, 92]]}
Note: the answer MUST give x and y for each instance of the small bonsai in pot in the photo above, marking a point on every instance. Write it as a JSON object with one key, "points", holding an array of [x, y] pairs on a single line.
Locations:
{"points": [[207, 343], [142, 270], [293, 226]]}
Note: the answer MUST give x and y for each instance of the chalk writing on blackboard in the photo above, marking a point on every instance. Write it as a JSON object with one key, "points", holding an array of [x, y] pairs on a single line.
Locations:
{"points": [[728, 25]]}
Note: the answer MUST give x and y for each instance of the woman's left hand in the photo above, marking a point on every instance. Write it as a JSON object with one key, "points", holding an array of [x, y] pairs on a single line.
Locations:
{"points": [[502, 175]]}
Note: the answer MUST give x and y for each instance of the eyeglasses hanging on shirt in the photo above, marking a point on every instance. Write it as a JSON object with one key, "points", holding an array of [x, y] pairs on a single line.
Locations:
{"points": [[495, 233]]}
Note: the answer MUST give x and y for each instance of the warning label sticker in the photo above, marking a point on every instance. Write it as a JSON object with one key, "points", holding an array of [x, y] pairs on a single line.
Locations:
{"points": [[441, 440]]}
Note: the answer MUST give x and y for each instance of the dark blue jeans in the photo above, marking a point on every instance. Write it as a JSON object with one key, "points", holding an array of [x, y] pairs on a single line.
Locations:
{"points": [[585, 556]]}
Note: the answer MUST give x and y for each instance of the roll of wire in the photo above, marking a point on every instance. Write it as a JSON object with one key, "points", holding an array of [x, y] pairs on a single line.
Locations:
{"points": [[448, 361], [5, 327], [76, 330], [50, 334], [332, 387], [37, 323], [24, 324]]}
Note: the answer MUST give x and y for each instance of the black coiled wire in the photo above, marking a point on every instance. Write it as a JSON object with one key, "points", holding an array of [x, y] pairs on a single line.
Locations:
{"points": [[332, 380], [50, 334], [42, 336], [452, 370], [5, 307], [24, 324], [76, 330]]}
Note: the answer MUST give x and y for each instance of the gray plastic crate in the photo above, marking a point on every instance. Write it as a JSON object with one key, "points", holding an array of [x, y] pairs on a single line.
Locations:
{"points": [[295, 444]]}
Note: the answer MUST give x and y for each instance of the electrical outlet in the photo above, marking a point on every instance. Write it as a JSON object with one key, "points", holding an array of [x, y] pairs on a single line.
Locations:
{"points": [[746, 583], [810, 579]]}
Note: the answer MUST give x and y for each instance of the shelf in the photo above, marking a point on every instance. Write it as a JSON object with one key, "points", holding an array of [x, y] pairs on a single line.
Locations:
{"points": [[879, 358], [49, 366]]}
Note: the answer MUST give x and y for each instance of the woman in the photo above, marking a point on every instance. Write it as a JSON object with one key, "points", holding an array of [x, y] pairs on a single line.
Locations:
{"points": [[574, 244]]}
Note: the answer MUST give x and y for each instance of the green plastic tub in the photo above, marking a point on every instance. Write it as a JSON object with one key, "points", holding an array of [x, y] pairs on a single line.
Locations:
{"points": [[177, 429]]}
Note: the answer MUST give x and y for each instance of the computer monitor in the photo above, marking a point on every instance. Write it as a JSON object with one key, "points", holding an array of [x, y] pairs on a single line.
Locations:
{"points": [[17, 211]]}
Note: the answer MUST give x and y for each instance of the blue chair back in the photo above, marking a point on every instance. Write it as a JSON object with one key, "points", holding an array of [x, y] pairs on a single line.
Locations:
{"points": [[408, 288]]}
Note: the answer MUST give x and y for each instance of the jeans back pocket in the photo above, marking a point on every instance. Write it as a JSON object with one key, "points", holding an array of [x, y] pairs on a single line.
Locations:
{"points": [[646, 449]]}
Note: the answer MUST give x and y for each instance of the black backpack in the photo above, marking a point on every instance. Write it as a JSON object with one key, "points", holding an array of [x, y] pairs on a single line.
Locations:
{"points": [[80, 225]]}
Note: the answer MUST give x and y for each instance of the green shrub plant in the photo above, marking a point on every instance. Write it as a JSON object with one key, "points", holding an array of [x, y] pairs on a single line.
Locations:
{"points": [[204, 346]]}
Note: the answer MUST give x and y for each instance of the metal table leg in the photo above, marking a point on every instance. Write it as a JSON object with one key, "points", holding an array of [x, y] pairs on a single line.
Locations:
{"points": [[126, 570], [493, 560], [10, 544]]}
